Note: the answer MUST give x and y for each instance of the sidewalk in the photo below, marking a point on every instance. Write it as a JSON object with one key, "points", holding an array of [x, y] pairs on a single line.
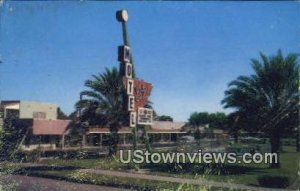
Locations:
{"points": [[25, 183], [198, 181]]}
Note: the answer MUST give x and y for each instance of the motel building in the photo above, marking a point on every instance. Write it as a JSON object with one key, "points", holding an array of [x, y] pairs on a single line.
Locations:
{"points": [[160, 133], [46, 132]]}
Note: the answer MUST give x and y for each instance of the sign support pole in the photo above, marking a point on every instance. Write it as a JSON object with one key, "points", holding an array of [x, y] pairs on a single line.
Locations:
{"points": [[122, 16], [126, 42], [298, 126]]}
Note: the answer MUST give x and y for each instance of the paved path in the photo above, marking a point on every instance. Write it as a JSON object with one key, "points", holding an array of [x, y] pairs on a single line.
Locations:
{"points": [[296, 183], [26, 183], [199, 181]]}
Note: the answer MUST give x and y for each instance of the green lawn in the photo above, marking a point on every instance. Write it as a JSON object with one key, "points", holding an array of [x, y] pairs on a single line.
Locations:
{"points": [[238, 173], [120, 182], [103, 163], [289, 167], [248, 173]]}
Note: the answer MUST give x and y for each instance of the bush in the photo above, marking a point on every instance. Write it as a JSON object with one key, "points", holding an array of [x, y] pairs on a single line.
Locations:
{"points": [[273, 181], [288, 142], [253, 140], [11, 135], [25, 156]]}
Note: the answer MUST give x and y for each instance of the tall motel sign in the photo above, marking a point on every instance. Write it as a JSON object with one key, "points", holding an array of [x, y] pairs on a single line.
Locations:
{"points": [[137, 91], [1, 117]]}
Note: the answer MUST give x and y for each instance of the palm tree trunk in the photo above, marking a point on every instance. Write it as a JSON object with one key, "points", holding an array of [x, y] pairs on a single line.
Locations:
{"points": [[134, 134], [275, 148], [298, 135], [114, 139], [235, 135], [83, 140], [298, 141], [146, 137], [113, 146]]}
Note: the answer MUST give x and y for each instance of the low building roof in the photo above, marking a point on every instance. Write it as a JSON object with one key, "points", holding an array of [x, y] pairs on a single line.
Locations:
{"points": [[218, 131], [50, 127], [105, 130], [160, 131], [157, 127], [127, 130], [167, 125]]}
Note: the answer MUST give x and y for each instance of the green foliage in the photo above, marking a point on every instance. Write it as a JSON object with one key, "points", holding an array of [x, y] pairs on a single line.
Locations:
{"points": [[217, 120], [236, 173], [27, 156], [234, 123], [7, 168], [146, 138], [61, 114], [272, 181], [76, 130], [197, 134], [196, 119], [213, 120], [268, 97], [164, 118], [119, 182], [103, 103], [267, 100], [11, 136]]}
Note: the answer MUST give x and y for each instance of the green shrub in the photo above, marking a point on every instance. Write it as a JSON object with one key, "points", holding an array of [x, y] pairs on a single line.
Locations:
{"points": [[253, 140], [288, 142], [273, 181], [26, 156]]}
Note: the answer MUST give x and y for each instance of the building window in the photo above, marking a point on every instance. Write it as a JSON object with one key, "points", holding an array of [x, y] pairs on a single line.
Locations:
{"points": [[39, 115], [12, 113]]}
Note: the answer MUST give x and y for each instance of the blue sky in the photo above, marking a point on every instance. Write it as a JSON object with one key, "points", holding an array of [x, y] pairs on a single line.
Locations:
{"points": [[189, 51]]}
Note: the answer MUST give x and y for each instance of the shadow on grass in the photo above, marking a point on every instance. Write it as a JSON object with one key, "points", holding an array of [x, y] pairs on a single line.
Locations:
{"points": [[191, 168], [29, 170]]}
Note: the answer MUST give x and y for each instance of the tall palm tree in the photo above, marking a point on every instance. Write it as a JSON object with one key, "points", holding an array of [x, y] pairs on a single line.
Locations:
{"points": [[267, 100], [103, 104]]}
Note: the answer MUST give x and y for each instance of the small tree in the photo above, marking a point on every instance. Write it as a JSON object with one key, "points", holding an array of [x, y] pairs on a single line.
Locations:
{"points": [[164, 118], [197, 134], [217, 120], [197, 119], [11, 135], [61, 114]]}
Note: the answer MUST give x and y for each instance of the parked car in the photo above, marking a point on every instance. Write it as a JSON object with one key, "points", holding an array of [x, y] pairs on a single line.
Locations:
{"points": [[187, 139]]}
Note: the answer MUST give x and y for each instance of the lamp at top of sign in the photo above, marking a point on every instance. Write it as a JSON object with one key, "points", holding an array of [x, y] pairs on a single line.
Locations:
{"points": [[122, 15]]}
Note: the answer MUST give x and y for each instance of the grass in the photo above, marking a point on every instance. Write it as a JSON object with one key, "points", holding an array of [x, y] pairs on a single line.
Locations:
{"points": [[120, 182], [243, 173], [8, 168], [102, 163], [237, 173], [289, 167]]}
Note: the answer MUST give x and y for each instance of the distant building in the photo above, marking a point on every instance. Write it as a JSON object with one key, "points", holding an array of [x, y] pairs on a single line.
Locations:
{"points": [[29, 109], [46, 132], [159, 132], [44, 129]]}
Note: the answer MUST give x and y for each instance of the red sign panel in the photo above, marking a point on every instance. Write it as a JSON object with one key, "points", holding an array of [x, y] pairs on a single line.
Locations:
{"points": [[141, 92]]}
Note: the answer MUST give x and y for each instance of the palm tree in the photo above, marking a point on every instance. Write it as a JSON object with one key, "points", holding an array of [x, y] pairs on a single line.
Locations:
{"points": [[267, 100], [103, 104]]}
